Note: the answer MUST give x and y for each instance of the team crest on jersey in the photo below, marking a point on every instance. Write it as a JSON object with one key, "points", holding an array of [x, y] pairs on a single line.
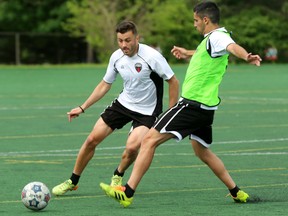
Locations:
{"points": [[138, 67]]}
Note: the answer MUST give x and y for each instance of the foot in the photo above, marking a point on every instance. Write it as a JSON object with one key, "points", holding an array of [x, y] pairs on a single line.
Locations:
{"points": [[117, 193], [241, 197], [116, 181], [64, 187]]}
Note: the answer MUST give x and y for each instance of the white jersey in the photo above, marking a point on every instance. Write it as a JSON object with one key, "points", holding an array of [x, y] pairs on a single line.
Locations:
{"points": [[143, 76]]}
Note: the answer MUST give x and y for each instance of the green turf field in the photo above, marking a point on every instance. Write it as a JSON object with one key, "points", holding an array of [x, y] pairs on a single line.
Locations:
{"points": [[37, 143]]}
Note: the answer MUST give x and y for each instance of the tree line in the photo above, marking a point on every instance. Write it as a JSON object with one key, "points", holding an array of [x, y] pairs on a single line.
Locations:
{"points": [[255, 24]]}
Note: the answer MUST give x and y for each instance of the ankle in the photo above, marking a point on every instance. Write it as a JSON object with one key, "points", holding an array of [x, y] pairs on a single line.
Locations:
{"points": [[129, 192], [234, 191], [116, 172], [74, 178]]}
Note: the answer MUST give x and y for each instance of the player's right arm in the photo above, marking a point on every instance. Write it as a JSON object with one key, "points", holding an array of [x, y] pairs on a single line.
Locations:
{"points": [[100, 90]]}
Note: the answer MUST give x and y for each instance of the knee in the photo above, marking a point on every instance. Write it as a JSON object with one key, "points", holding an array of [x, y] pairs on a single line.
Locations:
{"points": [[132, 149], [148, 140], [92, 142]]}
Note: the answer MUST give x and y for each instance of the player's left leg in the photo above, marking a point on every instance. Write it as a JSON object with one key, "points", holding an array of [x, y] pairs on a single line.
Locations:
{"points": [[218, 167], [213, 162], [130, 153], [144, 159]]}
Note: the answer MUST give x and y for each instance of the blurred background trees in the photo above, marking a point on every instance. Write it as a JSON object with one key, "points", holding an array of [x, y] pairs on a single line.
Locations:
{"points": [[77, 31]]}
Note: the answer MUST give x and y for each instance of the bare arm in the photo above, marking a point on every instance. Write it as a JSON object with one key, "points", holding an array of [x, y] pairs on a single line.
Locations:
{"points": [[182, 53], [100, 90], [241, 53], [173, 90]]}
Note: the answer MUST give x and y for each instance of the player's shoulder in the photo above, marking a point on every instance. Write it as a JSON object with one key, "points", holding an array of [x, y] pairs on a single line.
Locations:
{"points": [[219, 33], [149, 53], [146, 50], [117, 54]]}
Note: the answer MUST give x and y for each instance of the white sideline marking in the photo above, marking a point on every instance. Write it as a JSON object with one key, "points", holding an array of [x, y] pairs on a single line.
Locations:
{"points": [[227, 98], [74, 152]]}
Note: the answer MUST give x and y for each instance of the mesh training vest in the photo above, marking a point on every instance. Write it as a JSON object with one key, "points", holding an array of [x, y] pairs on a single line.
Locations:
{"points": [[204, 75]]}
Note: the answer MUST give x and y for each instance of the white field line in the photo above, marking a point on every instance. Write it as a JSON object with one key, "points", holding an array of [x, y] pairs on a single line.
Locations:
{"points": [[74, 152], [227, 98], [257, 99]]}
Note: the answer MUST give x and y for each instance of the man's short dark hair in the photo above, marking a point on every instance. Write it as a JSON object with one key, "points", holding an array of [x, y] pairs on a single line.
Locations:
{"points": [[126, 26], [208, 9]]}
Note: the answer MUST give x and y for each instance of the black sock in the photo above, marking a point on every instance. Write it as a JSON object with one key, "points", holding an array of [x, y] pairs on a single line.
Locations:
{"points": [[74, 178], [234, 191], [129, 192], [116, 172]]}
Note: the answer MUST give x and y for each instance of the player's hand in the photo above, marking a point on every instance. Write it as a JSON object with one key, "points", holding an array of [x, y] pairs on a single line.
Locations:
{"points": [[253, 59], [179, 52], [74, 113]]}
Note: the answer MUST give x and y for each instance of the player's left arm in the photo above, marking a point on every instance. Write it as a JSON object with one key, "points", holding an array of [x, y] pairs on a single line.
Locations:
{"points": [[182, 53], [241, 53], [173, 90]]}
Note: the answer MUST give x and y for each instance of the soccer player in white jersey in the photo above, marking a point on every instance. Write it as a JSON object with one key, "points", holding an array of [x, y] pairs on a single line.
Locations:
{"points": [[193, 115], [143, 70]]}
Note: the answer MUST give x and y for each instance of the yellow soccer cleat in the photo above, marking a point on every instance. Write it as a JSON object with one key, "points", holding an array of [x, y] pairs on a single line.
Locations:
{"points": [[241, 197], [116, 181], [117, 193], [63, 188]]}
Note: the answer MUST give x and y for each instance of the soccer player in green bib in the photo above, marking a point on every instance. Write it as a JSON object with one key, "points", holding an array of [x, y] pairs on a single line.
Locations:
{"points": [[193, 115]]}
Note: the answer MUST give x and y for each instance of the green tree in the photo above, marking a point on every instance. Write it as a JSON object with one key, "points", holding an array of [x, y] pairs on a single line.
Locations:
{"points": [[258, 28], [171, 23], [96, 20], [159, 22], [32, 16], [256, 25], [165, 23]]}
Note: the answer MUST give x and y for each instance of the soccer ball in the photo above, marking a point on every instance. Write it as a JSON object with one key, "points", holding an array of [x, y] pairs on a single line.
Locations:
{"points": [[35, 196]]}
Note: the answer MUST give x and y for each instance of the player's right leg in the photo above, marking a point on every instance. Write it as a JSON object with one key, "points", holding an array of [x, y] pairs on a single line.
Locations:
{"points": [[99, 132], [64, 187]]}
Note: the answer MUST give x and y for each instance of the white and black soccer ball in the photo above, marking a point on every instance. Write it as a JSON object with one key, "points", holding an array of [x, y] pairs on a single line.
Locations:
{"points": [[35, 196]]}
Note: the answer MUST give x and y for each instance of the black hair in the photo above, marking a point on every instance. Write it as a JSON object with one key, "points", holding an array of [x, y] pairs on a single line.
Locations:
{"points": [[126, 26], [208, 9]]}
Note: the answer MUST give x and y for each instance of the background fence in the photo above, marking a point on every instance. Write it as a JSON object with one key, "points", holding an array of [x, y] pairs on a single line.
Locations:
{"points": [[40, 48]]}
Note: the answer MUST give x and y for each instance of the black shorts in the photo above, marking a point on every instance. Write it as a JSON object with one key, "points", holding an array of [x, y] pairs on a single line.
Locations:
{"points": [[116, 116], [187, 118]]}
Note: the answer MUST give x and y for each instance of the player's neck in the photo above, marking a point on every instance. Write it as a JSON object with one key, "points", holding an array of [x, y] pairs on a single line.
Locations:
{"points": [[211, 27]]}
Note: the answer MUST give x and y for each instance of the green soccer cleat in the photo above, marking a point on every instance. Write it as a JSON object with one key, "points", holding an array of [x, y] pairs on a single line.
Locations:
{"points": [[117, 193], [116, 181], [63, 188], [241, 197]]}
